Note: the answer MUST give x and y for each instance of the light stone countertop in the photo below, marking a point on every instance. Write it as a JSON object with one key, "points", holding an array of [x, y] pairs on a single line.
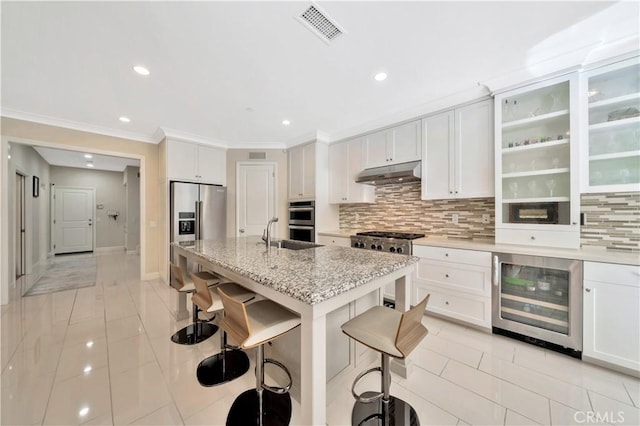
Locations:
{"points": [[310, 275], [585, 254]]}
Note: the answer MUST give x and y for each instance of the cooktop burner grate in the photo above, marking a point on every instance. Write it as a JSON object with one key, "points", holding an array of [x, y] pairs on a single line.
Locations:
{"points": [[398, 235]]}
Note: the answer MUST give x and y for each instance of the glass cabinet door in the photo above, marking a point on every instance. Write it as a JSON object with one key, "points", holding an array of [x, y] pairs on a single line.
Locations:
{"points": [[535, 296], [535, 154], [613, 105]]}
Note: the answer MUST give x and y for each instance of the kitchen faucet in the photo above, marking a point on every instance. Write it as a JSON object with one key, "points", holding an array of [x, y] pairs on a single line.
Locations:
{"points": [[266, 235]]}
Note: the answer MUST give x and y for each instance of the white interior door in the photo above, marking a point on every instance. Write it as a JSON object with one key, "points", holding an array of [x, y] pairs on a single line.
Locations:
{"points": [[73, 220], [256, 198]]}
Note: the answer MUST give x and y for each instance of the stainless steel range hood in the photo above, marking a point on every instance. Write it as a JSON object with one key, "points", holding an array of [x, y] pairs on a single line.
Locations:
{"points": [[385, 175]]}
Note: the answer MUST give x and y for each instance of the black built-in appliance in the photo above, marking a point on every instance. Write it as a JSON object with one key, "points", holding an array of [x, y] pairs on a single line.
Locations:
{"points": [[302, 221]]}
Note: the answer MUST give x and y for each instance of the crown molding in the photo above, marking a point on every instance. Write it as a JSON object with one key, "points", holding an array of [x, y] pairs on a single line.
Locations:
{"points": [[75, 125], [179, 135]]}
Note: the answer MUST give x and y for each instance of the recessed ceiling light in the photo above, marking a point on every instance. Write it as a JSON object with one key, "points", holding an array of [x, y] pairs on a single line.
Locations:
{"points": [[141, 70], [87, 369], [90, 343], [286, 122], [83, 411], [88, 156], [124, 119], [380, 76]]}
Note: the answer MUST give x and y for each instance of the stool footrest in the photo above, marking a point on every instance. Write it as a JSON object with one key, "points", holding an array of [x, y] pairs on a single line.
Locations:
{"points": [[277, 389], [368, 399]]}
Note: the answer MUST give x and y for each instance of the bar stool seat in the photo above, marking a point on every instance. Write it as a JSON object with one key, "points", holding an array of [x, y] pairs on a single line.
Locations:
{"points": [[254, 325], [230, 363], [197, 331], [393, 334]]}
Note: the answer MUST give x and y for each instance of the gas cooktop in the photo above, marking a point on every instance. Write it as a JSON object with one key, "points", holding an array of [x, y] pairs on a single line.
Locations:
{"points": [[385, 234]]}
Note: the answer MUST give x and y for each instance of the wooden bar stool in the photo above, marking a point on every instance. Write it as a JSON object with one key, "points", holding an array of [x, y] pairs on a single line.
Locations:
{"points": [[197, 331], [393, 334], [230, 363], [254, 325]]}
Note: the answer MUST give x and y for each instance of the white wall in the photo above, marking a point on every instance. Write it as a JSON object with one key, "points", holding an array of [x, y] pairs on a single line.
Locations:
{"points": [[26, 160], [110, 191]]}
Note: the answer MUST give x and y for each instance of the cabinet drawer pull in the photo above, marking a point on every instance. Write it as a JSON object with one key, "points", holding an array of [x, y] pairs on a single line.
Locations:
{"points": [[533, 238], [588, 290], [446, 275], [446, 255], [446, 303]]}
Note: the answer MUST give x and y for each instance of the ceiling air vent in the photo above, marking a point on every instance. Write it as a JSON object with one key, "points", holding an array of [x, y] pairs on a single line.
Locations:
{"points": [[319, 23]]}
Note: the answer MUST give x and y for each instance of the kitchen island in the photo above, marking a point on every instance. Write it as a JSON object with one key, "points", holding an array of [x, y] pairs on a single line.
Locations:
{"points": [[312, 282]]}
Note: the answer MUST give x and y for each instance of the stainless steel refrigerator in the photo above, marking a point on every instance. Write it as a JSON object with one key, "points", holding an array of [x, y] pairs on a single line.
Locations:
{"points": [[198, 212]]}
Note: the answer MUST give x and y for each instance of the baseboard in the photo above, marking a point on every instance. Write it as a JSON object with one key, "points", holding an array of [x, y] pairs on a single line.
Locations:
{"points": [[114, 249], [151, 276]]}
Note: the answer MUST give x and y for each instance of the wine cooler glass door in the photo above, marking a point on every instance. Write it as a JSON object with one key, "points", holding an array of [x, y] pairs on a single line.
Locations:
{"points": [[539, 297]]}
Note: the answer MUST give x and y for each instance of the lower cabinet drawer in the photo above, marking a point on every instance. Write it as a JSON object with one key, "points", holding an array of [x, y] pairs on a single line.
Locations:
{"points": [[468, 278], [471, 309], [546, 238]]}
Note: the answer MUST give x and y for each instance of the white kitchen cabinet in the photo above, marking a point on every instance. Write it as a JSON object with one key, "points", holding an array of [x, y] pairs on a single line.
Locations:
{"points": [[325, 240], [399, 144], [458, 159], [536, 157], [610, 98], [188, 161], [346, 160], [302, 172], [611, 312], [459, 282]]}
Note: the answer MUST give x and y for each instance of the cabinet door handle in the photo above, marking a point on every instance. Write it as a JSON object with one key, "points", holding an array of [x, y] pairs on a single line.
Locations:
{"points": [[446, 303], [446, 275], [496, 271], [588, 290], [533, 238]]}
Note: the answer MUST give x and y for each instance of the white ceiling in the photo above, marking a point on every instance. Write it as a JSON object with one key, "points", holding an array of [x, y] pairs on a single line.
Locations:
{"points": [[228, 73], [64, 158]]}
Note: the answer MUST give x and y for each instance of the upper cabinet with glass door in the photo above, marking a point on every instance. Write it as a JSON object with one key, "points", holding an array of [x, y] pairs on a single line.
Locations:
{"points": [[611, 156], [537, 193]]}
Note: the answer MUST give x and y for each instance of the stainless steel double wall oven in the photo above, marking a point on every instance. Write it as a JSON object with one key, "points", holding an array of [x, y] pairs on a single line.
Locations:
{"points": [[302, 221]]}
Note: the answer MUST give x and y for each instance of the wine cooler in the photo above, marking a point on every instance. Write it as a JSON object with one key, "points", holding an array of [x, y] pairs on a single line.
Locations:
{"points": [[539, 300]]}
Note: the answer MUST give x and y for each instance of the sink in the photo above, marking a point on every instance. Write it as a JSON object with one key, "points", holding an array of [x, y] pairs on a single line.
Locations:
{"points": [[293, 245]]}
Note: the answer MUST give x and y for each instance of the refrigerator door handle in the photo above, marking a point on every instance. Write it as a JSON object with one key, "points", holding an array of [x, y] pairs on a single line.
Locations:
{"points": [[496, 270], [198, 217]]}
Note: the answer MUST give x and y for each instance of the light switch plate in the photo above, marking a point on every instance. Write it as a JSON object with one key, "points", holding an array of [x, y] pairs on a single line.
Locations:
{"points": [[486, 218], [454, 218]]}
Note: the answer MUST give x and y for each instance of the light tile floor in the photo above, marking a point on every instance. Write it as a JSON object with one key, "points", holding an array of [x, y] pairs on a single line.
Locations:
{"points": [[102, 355]]}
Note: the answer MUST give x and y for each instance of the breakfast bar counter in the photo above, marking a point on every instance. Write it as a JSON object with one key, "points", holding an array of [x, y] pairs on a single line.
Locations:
{"points": [[312, 283]]}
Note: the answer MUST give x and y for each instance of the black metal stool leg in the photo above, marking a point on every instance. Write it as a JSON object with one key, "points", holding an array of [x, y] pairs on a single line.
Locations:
{"points": [[387, 410], [257, 407], [196, 332], [223, 367]]}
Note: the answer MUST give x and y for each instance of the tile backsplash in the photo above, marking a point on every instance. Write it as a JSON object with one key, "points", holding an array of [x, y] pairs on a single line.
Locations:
{"points": [[612, 220], [398, 207]]}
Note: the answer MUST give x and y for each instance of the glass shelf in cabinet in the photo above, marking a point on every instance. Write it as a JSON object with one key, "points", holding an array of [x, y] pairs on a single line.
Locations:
{"points": [[557, 171], [531, 120], [535, 200], [608, 125], [618, 100], [615, 155], [539, 145]]}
